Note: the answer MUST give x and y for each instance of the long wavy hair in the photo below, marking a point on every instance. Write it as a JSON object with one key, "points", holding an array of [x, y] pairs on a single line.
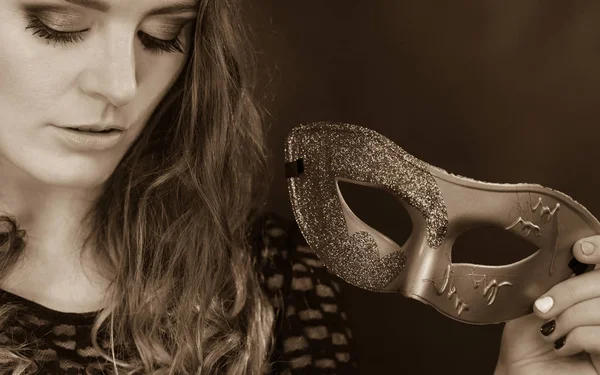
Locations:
{"points": [[173, 222]]}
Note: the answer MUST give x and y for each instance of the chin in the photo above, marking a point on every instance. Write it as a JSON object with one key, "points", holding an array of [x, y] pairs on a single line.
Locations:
{"points": [[83, 174], [82, 178]]}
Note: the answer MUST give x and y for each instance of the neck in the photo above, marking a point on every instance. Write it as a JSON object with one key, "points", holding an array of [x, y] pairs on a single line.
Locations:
{"points": [[52, 217]]}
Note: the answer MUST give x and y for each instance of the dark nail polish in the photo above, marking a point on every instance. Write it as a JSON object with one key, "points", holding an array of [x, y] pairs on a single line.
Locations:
{"points": [[577, 267], [559, 343], [548, 328]]}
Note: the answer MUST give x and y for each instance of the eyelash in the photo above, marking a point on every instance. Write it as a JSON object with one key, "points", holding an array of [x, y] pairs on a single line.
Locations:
{"points": [[154, 45]]}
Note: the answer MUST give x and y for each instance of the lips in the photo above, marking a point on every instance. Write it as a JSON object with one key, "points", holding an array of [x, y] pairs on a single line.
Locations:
{"points": [[96, 128], [87, 140]]}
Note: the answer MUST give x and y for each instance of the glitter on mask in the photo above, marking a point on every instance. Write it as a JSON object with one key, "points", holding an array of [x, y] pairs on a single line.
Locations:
{"points": [[329, 151]]}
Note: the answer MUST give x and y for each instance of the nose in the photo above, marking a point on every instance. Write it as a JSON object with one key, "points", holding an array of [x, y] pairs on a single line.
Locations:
{"points": [[112, 72]]}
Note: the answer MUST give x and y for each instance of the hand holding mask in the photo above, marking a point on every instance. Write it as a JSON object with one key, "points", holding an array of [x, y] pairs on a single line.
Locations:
{"points": [[441, 206]]}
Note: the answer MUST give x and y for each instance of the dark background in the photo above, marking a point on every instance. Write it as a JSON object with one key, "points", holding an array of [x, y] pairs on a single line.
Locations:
{"points": [[496, 91]]}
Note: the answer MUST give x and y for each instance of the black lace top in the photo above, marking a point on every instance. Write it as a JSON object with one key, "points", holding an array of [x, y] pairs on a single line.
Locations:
{"points": [[312, 332]]}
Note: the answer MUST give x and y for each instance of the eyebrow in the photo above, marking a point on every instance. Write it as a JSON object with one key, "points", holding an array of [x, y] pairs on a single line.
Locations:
{"points": [[178, 7]]}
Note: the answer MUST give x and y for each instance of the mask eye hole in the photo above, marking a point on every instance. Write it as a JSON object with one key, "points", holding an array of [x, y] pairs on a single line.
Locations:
{"points": [[379, 209], [490, 246]]}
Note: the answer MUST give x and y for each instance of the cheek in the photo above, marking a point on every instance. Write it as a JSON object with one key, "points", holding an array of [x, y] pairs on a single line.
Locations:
{"points": [[29, 86]]}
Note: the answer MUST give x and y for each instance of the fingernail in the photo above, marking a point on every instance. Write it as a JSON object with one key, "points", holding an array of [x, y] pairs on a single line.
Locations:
{"points": [[559, 343], [544, 304], [587, 248], [548, 328]]}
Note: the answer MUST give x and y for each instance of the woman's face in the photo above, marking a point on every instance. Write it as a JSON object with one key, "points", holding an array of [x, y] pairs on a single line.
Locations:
{"points": [[112, 65]]}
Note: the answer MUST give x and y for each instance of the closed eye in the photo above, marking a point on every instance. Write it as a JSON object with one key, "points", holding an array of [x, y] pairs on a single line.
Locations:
{"points": [[150, 43]]}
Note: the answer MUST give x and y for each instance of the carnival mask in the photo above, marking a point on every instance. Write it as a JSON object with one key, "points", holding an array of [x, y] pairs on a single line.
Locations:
{"points": [[441, 206]]}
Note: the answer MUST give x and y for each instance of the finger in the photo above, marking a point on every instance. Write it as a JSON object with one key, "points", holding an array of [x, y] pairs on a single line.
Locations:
{"points": [[581, 339], [567, 293], [586, 313], [587, 250]]}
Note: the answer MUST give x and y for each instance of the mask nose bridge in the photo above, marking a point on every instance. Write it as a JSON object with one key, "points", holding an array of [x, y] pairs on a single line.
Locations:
{"points": [[426, 266], [420, 258]]}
